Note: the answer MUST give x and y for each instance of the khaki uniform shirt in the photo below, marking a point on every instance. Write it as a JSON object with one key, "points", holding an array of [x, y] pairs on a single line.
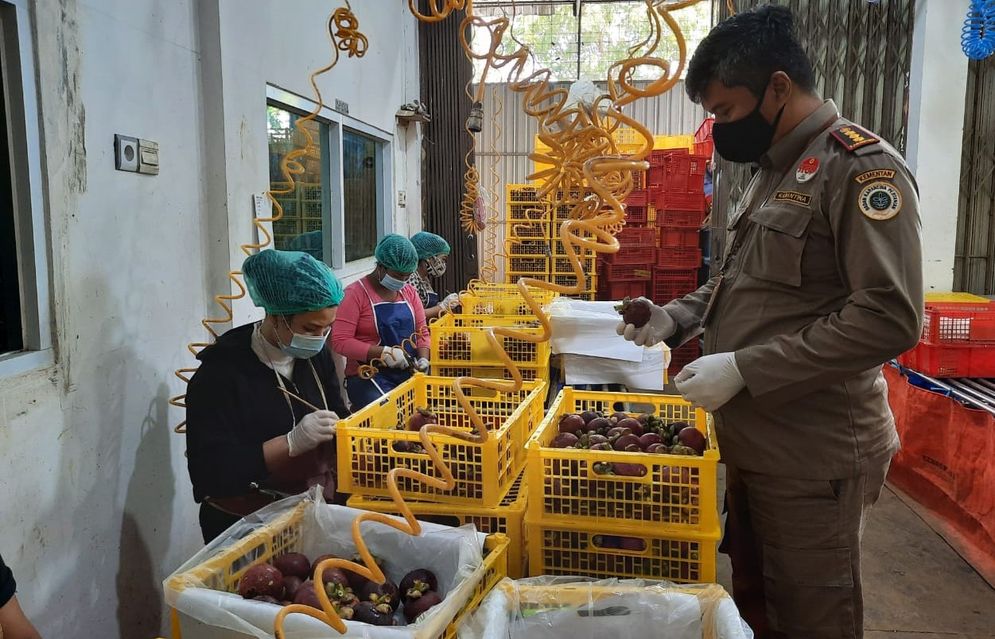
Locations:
{"points": [[821, 284]]}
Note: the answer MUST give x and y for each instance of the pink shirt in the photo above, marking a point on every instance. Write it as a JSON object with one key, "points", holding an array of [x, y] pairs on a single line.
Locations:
{"points": [[355, 330]]}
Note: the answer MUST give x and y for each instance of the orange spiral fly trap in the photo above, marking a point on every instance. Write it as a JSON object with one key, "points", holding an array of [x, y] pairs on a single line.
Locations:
{"points": [[587, 174]]}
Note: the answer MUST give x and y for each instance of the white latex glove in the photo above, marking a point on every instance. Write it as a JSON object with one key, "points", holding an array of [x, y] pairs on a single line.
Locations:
{"points": [[422, 364], [313, 429], [658, 328], [710, 381], [450, 301], [395, 357]]}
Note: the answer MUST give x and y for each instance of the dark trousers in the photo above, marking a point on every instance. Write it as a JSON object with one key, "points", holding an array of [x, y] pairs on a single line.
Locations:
{"points": [[794, 545]]}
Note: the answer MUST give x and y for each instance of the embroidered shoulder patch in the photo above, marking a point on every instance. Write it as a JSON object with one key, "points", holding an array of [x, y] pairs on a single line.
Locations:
{"points": [[880, 200], [875, 174], [793, 197], [852, 137]]}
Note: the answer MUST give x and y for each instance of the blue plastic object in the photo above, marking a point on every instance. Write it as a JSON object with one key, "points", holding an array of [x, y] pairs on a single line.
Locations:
{"points": [[977, 38]]}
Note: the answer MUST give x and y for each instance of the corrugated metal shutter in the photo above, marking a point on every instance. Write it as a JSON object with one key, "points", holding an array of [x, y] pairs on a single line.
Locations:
{"points": [[444, 72], [974, 266], [862, 55]]}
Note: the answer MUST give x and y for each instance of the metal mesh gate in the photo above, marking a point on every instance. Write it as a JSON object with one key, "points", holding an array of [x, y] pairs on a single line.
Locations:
{"points": [[974, 265], [862, 56]]}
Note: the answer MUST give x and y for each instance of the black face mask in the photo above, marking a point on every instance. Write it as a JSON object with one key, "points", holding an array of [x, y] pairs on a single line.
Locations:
{"points": [[745, 139]]}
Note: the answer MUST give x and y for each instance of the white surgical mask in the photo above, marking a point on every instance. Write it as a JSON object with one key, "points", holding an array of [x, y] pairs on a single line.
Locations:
{"points": [[302, 346], [392, 283]]}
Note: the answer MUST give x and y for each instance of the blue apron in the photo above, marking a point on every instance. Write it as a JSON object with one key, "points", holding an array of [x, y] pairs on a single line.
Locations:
{"points": [[433, 299], [395, 322]]}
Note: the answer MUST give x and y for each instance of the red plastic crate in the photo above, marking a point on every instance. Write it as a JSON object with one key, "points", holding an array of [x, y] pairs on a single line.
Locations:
{"points": [[679, 238], [947, 360], [681, 357], [634, 236], [637, 255], [678, 258], [685, 201], [959, 324], [637, 198], [625, 272], [703, 144], [671, 285], [659, 157], [680, 219], [636, 215], [678, 173], [613, 291]]}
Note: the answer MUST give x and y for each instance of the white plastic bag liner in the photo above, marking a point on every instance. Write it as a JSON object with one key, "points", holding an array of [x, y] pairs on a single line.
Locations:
{"points": [[454, 554], [588, 328], [615, 609], [644, 375]]}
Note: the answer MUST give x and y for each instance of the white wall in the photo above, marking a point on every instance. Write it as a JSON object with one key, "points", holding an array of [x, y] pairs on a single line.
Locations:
{"points": [[96, 505], [374, 86], [937, 93]]}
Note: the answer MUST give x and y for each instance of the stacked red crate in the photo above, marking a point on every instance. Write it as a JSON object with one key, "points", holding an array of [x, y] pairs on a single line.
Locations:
{"points": [[629, 272], [676, 186]]}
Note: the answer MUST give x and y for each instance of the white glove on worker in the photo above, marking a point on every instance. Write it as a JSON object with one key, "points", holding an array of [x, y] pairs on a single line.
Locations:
{"points": [[660, 327], [313, 429], [395, 357], [450, 301], [421, 364], [710, 381]]}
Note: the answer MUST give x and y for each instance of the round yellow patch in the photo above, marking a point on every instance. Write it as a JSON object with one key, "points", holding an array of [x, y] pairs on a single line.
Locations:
{"points": [[880, 200]]}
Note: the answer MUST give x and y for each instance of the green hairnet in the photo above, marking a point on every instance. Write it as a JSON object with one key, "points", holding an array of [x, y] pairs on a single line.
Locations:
{"points": [[290, 282], [429, 244], [397, 253]]}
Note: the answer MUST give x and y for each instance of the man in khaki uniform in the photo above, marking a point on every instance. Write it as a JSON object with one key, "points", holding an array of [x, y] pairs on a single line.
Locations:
{"points": [[821, 284]]}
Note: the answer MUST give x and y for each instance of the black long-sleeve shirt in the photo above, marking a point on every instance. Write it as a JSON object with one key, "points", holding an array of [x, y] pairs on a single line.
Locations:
{"points": [[7, 584], [234, 405]]}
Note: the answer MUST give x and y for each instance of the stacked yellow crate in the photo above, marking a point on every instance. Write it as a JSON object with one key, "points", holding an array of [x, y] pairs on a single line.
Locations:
{"points": [[532, 241], [622, 514]]}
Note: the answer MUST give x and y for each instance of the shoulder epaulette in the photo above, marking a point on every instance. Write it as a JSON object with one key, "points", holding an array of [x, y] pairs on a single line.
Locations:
{"points": [[852, 137]]}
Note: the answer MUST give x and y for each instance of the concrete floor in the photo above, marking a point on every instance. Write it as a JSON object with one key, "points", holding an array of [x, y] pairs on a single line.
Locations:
{"points": [[915, 585]]}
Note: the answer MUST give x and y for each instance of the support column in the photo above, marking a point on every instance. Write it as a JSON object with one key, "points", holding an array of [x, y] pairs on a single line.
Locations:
{"points": [[937, 91]]}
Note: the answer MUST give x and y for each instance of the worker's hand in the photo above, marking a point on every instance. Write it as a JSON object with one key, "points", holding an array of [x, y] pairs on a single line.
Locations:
{"points": [[395, 357], [659, 327], [422, 364], [313, 429], [710, 381], [450, 301]]}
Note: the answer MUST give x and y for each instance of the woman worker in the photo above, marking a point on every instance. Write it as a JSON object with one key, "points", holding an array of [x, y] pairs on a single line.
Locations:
{"points": [[379, 312], [262, 407], [432, 252]]}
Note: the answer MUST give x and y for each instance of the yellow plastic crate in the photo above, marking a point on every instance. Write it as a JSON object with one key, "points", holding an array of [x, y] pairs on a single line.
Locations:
{"points": [[224, 570], [484, 473], [528, 229], [520, 266], [507, 302], [527, 212], [673, 142], [527, 248], [462, 340], [677, 493], [955, 298], [521, 193], [590, 284], [508, 519], [590, 551], [495, 568], [529, 373], [648, 602]]}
